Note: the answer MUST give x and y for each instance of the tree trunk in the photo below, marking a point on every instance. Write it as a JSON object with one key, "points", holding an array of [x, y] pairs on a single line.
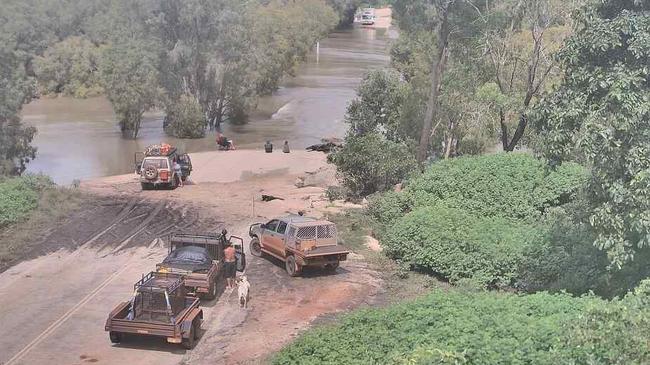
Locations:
{"points": [[521, 127], [437, 71], [504, 130]]}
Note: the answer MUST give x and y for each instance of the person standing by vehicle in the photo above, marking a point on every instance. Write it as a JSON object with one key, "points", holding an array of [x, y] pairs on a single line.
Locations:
{"points": [[179, 173], [230, 265]]}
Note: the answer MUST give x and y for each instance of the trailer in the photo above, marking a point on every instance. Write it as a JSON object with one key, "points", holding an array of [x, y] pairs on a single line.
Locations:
{"points": [[159, 307]]}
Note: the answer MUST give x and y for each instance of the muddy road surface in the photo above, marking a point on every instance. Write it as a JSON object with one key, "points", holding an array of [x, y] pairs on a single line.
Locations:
{"points": [[54, 307]]}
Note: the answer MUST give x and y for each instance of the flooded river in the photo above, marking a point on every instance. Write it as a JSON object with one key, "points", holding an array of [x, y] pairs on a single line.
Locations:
{"points": [[80, 139]]}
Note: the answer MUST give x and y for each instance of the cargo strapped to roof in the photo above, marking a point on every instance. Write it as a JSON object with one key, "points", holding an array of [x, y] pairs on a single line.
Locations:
{"points": [[162, 149]]}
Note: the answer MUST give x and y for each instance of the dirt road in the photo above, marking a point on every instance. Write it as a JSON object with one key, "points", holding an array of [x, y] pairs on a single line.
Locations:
{"points": [[54, 307]]}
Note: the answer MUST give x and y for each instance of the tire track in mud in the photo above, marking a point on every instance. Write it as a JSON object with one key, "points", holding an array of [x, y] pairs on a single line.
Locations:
{"points": [[124, 241]]}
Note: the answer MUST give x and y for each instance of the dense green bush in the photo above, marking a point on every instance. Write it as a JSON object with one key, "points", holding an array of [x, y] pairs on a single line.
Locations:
{"points": [[19, 196], [371, 163], [449, 242], [514, 185], [459, 327], [486, 220]]}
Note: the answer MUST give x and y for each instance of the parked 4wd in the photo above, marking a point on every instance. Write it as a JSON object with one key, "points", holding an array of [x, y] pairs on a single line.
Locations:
{"points": [[156, 166], [298, 241]]}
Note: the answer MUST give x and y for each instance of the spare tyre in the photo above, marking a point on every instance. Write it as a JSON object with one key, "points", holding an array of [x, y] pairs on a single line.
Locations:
{"points": [[150, 173]]}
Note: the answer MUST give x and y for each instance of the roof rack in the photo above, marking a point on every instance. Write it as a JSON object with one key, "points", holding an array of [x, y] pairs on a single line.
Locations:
{"points": [[162, 149], [201, 238], [158, 282]]}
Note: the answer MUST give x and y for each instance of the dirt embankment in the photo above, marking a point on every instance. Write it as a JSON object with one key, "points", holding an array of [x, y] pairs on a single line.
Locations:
{"points": [[66, 296]]}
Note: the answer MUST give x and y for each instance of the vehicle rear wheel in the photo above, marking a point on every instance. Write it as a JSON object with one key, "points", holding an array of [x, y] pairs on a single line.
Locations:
{"points": [[197, 331], [212, 291], [293, 269], [115, 337], [256, 248], [183, 178], [331, 267], [188, 342]]}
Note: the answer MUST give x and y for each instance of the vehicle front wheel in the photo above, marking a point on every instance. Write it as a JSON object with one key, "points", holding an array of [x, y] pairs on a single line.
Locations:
{"points": [[115, 337], [293, 269], [255, 247], [188, 342]]}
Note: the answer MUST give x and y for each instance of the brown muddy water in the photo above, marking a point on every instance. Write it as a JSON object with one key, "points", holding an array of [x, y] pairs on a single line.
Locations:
{"points": [[79, 138]]}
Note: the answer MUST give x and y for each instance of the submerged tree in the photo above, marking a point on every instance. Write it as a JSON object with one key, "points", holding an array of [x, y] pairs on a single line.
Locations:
{"points": [[600, 116]]}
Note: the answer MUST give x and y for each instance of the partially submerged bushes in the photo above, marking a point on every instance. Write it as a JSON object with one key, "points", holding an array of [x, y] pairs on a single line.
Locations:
{"points": [[462, 327], [185, 119], [19, 196]]}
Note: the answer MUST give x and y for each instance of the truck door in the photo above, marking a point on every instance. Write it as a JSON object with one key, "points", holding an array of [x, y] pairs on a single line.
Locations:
{"points": [[238, 244], [186, 164], [270, 238]]}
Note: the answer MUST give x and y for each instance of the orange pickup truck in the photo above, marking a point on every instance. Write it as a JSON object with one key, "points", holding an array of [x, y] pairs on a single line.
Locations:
{"points": [[299, 242]]}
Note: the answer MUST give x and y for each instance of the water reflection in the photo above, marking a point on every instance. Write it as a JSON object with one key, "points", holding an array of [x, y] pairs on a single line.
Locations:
{"points": [[79, 139]]}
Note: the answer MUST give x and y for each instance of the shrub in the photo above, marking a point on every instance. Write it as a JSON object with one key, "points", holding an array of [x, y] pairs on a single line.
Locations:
{"points": [[462, 327], [371, 163], [513, 185], [19, 196], [185, 119], [451, 243]]}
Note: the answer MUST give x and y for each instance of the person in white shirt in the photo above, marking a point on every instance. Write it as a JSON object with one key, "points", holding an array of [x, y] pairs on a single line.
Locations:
{"points": [[179, 172]]}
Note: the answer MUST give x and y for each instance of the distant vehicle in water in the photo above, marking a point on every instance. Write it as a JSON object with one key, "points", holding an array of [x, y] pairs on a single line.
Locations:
{"points": [[368, 16]]}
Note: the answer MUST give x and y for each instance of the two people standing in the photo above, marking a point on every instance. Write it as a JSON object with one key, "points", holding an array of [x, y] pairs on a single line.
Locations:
{"points": [[268, 147]]}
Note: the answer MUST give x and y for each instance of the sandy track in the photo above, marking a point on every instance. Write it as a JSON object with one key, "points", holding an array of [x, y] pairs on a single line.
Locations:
{"points": [[54, 307]]}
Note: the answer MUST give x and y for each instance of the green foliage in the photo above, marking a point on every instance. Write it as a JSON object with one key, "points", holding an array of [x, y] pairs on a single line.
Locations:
{"points": [[615, 332], [130, 75], [70, 67], [599, 115], [484, 221], [19, 196], [488, 251], [371, 163], [460, 327], [185, 119], [377, 107], [514, 185]]}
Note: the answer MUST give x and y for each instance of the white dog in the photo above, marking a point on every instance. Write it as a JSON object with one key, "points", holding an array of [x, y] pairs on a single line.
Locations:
{"points": [[242, 291]]}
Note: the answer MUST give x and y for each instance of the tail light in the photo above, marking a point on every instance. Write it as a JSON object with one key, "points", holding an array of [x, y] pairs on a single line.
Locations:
{"points": [[164, 175]]}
